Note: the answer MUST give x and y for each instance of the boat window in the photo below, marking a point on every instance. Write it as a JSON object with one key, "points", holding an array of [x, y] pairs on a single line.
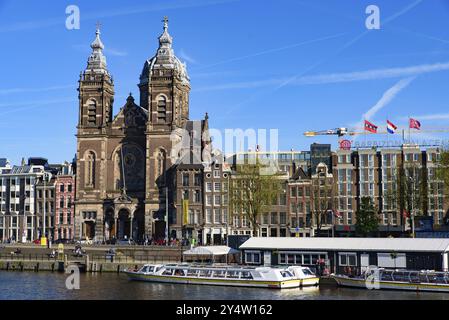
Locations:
{"points": [[219, 273], [306, 259], [286, 274], [158, 269], [307, 272], [232, 274], [150, 269], [144, 269], [246, 275], [179, 272], [205, 273], [282, 258], [168, 272], [192, 272]]}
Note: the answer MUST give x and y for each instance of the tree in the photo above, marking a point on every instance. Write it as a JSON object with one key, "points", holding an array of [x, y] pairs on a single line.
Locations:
{"points": [[408, 191], [253, 191], [323, 197], [367, 218]]}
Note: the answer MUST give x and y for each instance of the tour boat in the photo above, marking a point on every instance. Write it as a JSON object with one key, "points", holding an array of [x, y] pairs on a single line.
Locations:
{"points": [[380, 278], [258, 277]]}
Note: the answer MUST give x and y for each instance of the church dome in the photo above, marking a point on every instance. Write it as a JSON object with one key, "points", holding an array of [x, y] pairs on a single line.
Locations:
{"points": [[165, 59]]}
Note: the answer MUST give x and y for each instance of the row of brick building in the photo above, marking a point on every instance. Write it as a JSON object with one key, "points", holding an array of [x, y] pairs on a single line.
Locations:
{"points": [[29, 189], [200, 206]]}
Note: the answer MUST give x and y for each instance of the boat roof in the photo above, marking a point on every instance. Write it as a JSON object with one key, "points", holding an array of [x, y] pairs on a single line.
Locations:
{"points": [[350, 244], [210, 251]]}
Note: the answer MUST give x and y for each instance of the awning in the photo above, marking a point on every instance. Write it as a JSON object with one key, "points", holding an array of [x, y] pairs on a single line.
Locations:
{"points": [[210, 251]]}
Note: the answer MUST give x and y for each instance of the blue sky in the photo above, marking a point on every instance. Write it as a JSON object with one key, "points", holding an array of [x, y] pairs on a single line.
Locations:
{"points": [[273, 64]]}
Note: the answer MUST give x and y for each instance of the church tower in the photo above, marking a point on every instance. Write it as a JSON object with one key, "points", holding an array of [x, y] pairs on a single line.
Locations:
{"points": [[164, 93], [96, 97]]}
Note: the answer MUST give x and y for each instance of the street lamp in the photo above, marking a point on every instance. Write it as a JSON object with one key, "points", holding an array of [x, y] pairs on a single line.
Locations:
{"points": [[46, 176], [412, 215]]}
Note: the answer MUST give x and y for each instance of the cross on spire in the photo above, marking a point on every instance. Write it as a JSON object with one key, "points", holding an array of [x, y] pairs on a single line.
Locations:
{"points": [[98, 25], [165, 21]]}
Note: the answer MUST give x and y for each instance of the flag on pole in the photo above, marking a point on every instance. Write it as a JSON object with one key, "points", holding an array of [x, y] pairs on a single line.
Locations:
{"points": [[370, 127], [405, 214], [391, 128], [415, 124], [337, 214]]}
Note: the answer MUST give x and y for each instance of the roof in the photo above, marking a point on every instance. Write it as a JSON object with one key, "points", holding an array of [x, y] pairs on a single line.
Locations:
{"points": [[350, 244], [210, 251]]}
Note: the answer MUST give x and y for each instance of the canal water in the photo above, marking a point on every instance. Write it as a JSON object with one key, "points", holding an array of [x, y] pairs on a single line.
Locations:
{"points": [[51, 286]]}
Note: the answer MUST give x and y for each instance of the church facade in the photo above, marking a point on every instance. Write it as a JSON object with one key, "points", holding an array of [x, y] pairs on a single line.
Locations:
{"points": [[126, 164]]}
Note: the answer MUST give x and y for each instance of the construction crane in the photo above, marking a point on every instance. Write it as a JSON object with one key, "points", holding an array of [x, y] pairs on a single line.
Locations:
{"points": [[337, 131], [340, 132]]}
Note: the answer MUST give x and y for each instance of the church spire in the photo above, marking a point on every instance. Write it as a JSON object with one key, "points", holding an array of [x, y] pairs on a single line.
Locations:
{"points": [[97, 60], [165, 40]]}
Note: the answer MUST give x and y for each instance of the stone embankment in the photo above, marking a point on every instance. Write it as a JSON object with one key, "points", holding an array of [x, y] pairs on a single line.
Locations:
{"points": [[96, 258]]}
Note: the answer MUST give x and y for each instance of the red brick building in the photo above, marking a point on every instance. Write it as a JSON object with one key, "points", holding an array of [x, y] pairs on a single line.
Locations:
{"points": [[65, 196]]}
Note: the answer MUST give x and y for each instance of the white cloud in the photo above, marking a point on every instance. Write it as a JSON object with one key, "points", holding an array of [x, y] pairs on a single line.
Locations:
{"points": [[387, 97], [373, 74]]}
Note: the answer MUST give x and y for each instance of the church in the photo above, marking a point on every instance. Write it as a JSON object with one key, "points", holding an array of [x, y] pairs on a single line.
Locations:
{"points": [[126, 163]]}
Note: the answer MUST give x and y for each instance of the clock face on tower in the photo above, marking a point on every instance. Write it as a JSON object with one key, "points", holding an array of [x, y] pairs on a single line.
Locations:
{"points": [[134, 167]]}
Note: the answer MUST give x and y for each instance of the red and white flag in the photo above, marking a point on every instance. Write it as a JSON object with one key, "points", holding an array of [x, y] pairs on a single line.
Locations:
{"points": [[405, 214], [370, 127], [415, 124], [337, 214]]}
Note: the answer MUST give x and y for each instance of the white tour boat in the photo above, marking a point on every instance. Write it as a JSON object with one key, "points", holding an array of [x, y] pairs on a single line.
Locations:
{"points": [[380, 278], [259, 277]]}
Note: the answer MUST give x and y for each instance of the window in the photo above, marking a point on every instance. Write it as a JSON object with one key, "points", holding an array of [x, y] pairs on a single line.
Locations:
{"points": [[252, 257], [90, 169], [217, 186], [91, 112], [61, 202], [217, 200], [216, 174], [61, 188], [185, 180], [274, 218], [209, 187], [217, 216], [208, 215], [283, 218], [69, 188], [348, 259], [161, 109], [185, 194], [196, 196], [225, 215], [209, 200], [197, 180]]}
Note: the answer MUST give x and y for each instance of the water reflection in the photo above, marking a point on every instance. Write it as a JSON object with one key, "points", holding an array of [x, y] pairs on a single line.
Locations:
{"points": [[51, 286]]}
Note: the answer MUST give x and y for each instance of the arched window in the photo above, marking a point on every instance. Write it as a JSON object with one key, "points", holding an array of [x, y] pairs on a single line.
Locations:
{"points": [[90, 170], [160, 165], [91, 112], [162, 109]]}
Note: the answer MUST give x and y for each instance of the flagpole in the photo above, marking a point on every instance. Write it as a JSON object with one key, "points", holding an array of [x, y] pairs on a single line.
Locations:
{"points": [[409, 137]]}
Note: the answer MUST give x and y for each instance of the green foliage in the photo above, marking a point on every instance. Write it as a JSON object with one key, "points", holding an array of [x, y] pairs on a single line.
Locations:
{"points": [[367, 218], [253, 192]]}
